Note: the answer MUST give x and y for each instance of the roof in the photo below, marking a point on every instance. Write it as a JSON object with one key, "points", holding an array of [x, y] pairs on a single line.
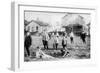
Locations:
{"points": [[40, 23]]}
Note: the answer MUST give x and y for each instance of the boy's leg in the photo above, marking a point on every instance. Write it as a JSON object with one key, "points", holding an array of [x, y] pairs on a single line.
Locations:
{"points": [[56, 46], [47, 44], [53, 45], [71, 39], [28, 52], [84, 40], [43, 43]]}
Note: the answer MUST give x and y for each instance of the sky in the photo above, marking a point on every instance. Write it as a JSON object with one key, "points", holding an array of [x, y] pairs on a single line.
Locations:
{"points": [[54, 19]]}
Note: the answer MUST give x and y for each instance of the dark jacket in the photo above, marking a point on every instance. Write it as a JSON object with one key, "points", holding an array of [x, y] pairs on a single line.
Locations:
{"points": [[28, 41]]}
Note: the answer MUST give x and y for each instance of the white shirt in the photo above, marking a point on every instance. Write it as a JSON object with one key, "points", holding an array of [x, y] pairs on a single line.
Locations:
{"points": [[71, 34]]}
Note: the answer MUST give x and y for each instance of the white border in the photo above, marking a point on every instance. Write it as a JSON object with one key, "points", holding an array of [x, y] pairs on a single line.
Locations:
{"points": [[18, 58]]}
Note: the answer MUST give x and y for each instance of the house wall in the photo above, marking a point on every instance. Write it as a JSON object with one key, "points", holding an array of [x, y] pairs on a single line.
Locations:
{"points": [[32, 27]]}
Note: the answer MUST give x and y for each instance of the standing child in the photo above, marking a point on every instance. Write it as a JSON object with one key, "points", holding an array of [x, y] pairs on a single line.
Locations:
{"points": [[28, 42], [64, 42], [56, 40], [72, 37]]}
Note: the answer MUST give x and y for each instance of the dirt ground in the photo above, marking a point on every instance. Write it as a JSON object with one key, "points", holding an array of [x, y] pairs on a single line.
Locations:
{"points": [[77, 50]]}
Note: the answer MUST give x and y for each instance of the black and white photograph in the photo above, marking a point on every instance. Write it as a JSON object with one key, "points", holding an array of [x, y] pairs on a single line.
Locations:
{"points": [[50, 36]]}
